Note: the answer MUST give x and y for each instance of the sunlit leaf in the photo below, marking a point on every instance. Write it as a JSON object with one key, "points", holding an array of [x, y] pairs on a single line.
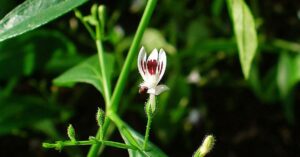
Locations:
{"points": [[245, 33], [87, 72], [32, 14]]}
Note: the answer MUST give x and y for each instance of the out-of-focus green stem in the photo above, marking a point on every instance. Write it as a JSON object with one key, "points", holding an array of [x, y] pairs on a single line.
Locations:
{"points": [[286, 45], [119, 88], [61, 144]]}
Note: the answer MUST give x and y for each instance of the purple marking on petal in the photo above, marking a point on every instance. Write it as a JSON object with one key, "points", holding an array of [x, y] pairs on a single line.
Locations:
{"points": [[152, 66], [145, 65], [142, 66], [160, 67]]}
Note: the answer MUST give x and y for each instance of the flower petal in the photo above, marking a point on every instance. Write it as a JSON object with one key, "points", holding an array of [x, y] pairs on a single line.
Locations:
{"points": [[160, 88], [153, 55], [162, 63], [142, 63]]}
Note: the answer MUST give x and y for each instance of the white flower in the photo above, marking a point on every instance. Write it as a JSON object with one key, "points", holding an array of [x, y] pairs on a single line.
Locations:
{"points": [[152, 70]]}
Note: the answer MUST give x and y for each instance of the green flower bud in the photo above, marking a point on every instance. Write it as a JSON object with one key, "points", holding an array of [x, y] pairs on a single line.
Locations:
{"points": [[100, 116], [102, 15], [207, 145], [94, 10], [71, 133], [78, 14]]}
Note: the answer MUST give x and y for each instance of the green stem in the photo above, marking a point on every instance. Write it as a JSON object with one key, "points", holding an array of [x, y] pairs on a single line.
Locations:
{"points": [[132, 54], [149, 121], [105, 80], [125, 70], [61, 144], [123, 128]]}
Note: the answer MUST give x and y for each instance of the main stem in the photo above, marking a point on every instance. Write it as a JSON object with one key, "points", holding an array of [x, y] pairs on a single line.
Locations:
{"points": [[132, 54], [93, 152]]}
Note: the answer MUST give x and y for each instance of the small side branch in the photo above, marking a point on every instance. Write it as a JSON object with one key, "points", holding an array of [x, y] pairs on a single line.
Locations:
{"points": [[59, 145]]}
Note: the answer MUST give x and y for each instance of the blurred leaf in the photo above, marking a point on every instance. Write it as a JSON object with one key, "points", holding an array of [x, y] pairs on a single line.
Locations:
{"points": [[152, 150], [265, 87], [47, 127], [22, 111], [116, 34], [216, 7], [31, 52], [197, 32], [288, 73], [32, 14], [154, 39], [61, 61], [87, 72], [207, 47], [244, 28], [172, 108]]}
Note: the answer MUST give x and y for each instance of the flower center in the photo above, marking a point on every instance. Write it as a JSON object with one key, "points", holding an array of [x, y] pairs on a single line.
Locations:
{"points": [[152, 66]]}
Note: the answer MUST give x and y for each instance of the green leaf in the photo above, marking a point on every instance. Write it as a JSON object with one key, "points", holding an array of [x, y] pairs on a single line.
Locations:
{"points": [[153, 38], [32, 14], [245, 33], [127, 133], [288, 73], [32, 52], [87, 72]]}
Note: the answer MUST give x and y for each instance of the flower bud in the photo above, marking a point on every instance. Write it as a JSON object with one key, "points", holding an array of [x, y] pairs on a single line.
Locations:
{"points": [[71, 133], [94, 11], [102, 14], [206, 147], [78, 14], [100, 116]]}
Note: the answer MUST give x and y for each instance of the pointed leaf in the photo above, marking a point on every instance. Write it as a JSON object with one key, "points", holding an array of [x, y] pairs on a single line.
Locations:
{"points": [[86, 72], [245, 33], [32, 14]]}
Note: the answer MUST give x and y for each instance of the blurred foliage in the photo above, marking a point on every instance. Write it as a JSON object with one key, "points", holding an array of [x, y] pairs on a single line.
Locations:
{"points": [[203, 61]]}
